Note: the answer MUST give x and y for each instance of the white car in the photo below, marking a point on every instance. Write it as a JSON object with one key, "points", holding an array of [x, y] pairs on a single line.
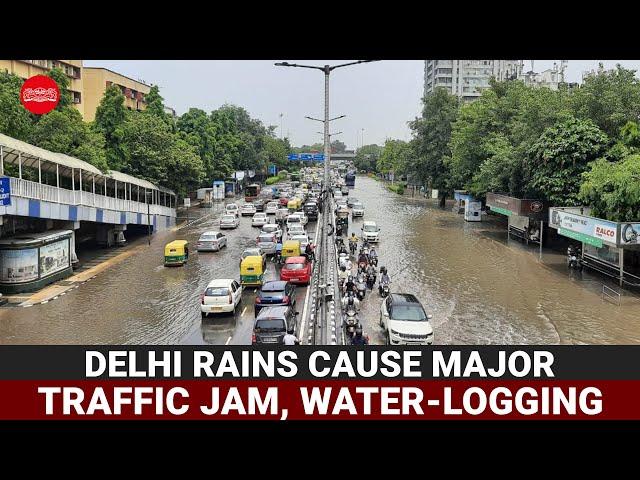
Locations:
{"points": [[211, 242], [302, 238], [282, 213], [259, 219], [404, 320], [272, 228], [296, 229], [232, 208], [357, 210], [303, 218], [293, 220], [370, 232], [271, 208], [222, 295], [229, 221], [247, 209]]}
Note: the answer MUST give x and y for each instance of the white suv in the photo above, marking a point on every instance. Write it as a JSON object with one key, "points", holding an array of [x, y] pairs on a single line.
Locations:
{"points": [[370, 232], [405, 321]]}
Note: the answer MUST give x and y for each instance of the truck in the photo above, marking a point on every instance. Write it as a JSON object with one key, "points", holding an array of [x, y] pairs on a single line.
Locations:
{"points": [[350, 179]]}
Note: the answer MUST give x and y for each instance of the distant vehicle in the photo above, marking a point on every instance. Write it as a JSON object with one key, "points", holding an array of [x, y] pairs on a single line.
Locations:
{"points": [[275, 293], [311, 210], [221, 295], [370, 232], [357, 210], [259, 219], [301, 237], [247, 209], [272, 324], [271, 208], [259, 203], [351, 201], [267, 243], [282, 214], [296, 229], [229, 221], [296, 270], [232, 208], [350, 179], [211, 242], [272, 228], [254, 252], [251, 192], [405, 321], [303, 218], [293, 220], [344, 191]]}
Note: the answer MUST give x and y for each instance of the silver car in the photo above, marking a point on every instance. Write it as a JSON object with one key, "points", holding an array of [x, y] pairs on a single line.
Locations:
{"points": [[229, 221], [357, 210], [211, 242], [267, 243]]}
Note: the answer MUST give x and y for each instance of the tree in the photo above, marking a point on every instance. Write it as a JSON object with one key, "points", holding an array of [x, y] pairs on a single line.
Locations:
{"points": [[65, 132], [185, 167], [338, 147], [15, 120], [111, 116], [558, 159], [396, 157], [64, 84], [613, 189], [432, 136], [367, 157]]}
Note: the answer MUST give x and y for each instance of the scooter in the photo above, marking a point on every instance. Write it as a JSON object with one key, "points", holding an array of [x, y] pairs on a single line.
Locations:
{"points": [[352, 247], [350, 323], [362, 267], [573, 259], [384, 290], [373, 261], [361, 286], [371, 280]]}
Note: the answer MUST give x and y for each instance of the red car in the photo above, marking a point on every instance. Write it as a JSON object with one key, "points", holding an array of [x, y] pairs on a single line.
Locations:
{"points": [[284, 202], [296, 270]]}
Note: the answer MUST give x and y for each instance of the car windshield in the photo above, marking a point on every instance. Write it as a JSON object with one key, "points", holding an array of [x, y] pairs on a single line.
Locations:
{"points": [[270, 325], [370, 228], [294, 266], [216, 292], [409, 313], [357, 205], [229, 218], [231, 207]]}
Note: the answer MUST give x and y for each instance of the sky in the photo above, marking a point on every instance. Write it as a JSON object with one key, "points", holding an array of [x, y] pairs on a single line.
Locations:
{"points": [[378, 98]]}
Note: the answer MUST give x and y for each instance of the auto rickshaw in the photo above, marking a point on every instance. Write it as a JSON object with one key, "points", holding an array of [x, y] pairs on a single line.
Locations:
{"points": [[294, 204], [251, 271], [176, 253], [290, 248]]}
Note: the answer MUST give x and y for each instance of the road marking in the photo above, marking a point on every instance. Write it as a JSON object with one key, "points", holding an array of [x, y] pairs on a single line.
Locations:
{"points": [[243, 312], [228, 340]]}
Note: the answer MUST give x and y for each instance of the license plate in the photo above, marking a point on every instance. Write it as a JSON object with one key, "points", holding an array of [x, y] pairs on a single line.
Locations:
{"points": [[269, 340], [295, 280], [216, 309]]}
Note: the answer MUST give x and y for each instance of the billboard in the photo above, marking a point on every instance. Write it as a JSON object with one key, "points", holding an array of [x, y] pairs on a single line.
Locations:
{"points": [[591, 230], [54, 257], [17, 266]]}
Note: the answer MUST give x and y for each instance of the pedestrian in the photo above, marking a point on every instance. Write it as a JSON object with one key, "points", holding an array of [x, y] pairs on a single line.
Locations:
{"points": [[290, 338]]}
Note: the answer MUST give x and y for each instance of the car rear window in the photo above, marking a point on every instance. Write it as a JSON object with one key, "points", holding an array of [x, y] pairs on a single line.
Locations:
{"points": [[207, 237], [294, 266], [293, 219], [272, 288], [270, 325], [216, 292], [228, 217], [265, 238]]}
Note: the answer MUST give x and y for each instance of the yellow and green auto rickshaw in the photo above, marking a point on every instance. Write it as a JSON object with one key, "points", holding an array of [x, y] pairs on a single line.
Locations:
{"points": [[251, 271], [176, 253], [290, 248]]}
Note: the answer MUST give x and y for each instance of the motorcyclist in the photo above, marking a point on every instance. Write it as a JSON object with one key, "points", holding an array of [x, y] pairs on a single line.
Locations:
{"points": [[350, 285], [384, 279], [372, 253], [343, 275], [359, 338], [353, 241], [372, 273], [342, 249], [290, 338], [278, 254], [363, 258], [350, 299], [308, 251]]}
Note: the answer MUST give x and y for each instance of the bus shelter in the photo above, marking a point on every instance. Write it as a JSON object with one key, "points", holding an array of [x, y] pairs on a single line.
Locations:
{"points": [[612, 248], [525, 215]]}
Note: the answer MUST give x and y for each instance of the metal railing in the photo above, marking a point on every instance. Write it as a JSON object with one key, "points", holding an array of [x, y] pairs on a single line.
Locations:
{"points": [[49, 193], [609, 293]]}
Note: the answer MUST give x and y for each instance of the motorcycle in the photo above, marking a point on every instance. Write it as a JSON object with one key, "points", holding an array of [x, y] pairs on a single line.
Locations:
{"points": [[373, 261], [362, 267], [371, 280], [384, 290], [350, 323], [352, 247], [573, 259], [361, 286]]}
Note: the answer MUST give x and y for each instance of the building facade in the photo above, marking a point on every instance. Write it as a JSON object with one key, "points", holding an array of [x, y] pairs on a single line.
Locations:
{"points": [[550, 78], [73, 68], [96, 81], [466, 79]]}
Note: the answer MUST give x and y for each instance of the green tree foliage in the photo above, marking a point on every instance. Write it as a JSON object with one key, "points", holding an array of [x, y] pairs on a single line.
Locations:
{"points": [[111, 115], [65, 132], [432, 136], [367, 157], [64, 84], [613, 189], [15, 120], [396, 157], [560, 156]]}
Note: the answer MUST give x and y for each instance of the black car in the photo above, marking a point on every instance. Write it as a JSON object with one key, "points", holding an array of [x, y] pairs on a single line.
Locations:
{"points": [[275, 293], [311, 210], [272, 323], [259, 204]]}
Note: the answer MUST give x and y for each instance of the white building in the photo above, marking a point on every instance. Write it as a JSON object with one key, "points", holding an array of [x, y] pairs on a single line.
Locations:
{"points": [[467, 78], [550, 78]]}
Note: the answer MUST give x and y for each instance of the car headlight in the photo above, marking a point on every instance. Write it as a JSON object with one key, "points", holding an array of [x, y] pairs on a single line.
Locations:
{"points": [[393, 332]]}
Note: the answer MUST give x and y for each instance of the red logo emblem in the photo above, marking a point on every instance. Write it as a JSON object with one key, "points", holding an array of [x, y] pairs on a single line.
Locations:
{"points": [[40, 94]]}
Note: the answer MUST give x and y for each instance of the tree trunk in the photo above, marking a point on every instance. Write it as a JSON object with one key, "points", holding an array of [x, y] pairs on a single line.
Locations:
{"points": [[443, 199]]}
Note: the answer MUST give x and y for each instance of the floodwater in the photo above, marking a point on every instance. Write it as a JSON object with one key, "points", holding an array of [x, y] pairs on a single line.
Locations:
{"points": [[139, 301], [481, 287]]}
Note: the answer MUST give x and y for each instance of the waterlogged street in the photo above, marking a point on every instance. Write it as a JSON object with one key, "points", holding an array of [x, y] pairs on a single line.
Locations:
{"points": [[480, 288]]}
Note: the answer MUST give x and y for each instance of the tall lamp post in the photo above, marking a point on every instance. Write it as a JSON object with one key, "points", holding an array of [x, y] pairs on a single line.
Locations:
{"points": [[326, 70]]}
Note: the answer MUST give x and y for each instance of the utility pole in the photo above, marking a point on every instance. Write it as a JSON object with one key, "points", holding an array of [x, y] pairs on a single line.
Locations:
{"points": [[281, 133]]}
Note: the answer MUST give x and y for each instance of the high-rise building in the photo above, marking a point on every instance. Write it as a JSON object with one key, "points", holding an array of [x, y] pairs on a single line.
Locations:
{"points": [[467, 78], [28, 68]]}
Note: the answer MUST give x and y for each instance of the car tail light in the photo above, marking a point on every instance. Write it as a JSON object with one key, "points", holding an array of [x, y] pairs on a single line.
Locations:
{"points": [[253, 338], [285, 299], [230, 298], [257, 299]]}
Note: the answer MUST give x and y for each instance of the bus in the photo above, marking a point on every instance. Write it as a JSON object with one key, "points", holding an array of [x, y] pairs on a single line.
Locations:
{"points": [[251, 192], [350, 179]]}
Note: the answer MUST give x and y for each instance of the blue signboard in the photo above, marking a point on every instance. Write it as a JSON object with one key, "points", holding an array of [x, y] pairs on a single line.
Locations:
{"points": [[319, 157], [272, 169], [293, 156], [306, 156], [5, 191]]}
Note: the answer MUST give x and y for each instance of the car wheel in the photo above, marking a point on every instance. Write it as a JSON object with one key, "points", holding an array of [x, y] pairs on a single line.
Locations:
{"points": [[204, 314]]}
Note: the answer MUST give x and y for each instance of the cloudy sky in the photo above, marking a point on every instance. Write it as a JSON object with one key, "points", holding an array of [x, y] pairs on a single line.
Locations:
{"points": [[378, 97]]}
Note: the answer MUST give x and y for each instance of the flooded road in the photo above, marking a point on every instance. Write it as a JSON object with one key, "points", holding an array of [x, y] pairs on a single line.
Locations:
{"points": [[139, 301], [482, 288]]}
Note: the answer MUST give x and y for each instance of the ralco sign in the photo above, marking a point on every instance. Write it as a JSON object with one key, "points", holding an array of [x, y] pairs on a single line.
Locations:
{"points": [[606, 233]]}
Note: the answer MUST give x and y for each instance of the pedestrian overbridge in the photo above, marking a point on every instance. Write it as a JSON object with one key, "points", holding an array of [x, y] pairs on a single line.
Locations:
{"points": [[52, 190]]}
